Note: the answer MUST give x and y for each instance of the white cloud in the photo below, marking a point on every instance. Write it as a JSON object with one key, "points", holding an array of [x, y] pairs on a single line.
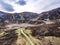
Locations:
{"points": [[33, 5]]}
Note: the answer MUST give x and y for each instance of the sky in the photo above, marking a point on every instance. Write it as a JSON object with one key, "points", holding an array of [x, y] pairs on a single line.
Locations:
{"points": [[37, 6]]}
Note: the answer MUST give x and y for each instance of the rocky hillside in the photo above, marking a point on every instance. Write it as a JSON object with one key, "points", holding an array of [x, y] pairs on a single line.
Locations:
{"points": [[52, 14], [17, 17], [29, 17]]}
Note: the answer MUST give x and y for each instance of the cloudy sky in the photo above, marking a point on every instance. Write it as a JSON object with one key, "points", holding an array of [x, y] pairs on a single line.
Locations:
{"points": [[37, 6]]}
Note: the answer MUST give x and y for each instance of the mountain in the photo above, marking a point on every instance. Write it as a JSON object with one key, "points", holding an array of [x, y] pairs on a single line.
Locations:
{"points": [[29, 17], [23, 17], [52, 14]]}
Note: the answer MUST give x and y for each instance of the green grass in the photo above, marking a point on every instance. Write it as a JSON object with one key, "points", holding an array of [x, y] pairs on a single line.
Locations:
{"points": [[20, 35], [54, 40], [2, 32]]}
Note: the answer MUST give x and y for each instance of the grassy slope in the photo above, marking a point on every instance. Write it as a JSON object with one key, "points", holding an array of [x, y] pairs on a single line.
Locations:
{"points": [[47, 40]]}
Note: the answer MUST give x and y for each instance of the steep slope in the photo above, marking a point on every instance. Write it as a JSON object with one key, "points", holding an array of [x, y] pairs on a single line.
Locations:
{"points": [[29, 17], [52, 14], [17, 17]]}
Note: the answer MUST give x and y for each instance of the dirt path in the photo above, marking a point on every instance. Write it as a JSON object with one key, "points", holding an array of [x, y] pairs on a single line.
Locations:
{"points": [[22, 31]]}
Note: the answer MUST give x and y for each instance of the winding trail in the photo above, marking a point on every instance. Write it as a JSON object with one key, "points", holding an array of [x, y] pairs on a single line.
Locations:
{"points": [[22, 28], [22, 31]]}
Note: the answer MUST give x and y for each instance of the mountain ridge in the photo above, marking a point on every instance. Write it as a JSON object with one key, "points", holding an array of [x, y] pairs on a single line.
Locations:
{"points": [[29, 17]]}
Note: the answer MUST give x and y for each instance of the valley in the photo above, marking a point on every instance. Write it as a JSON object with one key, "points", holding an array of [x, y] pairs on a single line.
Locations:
{"points": [[28, 28]]}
